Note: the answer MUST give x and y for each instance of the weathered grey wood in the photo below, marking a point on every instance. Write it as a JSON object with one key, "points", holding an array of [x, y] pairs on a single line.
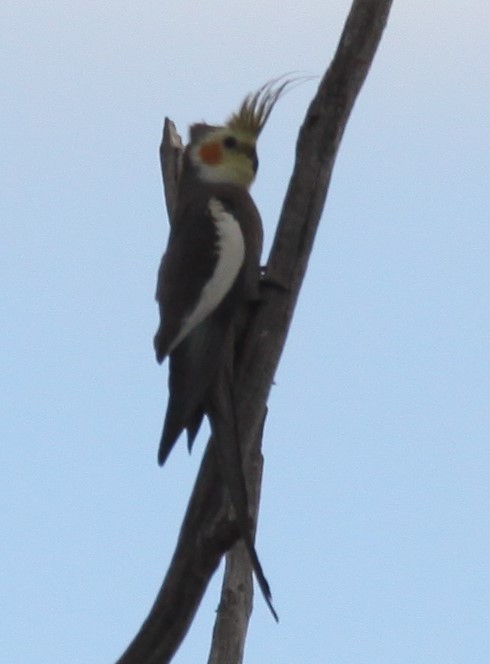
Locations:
{"points": [[235, 609], [171, 151]]}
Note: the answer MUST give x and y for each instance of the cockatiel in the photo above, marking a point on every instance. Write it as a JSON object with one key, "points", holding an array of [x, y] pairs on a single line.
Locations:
{"points": [[209, 273]]}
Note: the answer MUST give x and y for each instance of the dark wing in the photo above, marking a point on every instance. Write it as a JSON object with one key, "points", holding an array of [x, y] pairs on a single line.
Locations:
{"points": [[193, 366], [196, 352], [187, 264]]}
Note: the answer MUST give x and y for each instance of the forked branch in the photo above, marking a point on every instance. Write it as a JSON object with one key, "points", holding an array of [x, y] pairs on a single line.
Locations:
{"points": [[207, 531]]}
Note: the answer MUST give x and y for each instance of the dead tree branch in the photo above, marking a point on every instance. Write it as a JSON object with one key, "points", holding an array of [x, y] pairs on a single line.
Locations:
{"points": [[207, 531]]}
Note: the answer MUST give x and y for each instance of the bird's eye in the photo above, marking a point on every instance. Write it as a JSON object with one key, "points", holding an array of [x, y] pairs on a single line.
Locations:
{"points": [[230, 142]]}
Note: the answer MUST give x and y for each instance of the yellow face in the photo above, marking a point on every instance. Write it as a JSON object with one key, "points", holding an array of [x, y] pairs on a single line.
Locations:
{"points": [[226, 156]]}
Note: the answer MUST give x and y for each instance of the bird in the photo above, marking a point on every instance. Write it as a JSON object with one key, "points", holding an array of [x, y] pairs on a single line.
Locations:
{"points": [[209, 275]]}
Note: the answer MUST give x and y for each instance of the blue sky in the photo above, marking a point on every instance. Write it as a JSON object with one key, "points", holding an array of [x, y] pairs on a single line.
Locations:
{"points": [[375, 518]]}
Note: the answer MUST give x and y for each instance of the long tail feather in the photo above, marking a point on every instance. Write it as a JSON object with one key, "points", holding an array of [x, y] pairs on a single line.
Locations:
{"points": [[227, 444]]}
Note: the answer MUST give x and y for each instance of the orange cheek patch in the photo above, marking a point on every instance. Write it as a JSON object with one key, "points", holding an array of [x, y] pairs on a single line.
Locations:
{"points": [[211, 153]]}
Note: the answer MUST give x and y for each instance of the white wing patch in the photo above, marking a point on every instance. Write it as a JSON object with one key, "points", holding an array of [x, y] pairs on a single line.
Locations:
{"points": [[230, 250]]}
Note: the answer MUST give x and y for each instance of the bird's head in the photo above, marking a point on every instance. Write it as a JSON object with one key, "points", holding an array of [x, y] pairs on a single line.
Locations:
{"points": [[228, 154], [223, 154]]}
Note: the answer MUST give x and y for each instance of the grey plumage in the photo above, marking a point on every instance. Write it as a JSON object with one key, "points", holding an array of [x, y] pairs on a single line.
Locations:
{"points": [[201, 358]]}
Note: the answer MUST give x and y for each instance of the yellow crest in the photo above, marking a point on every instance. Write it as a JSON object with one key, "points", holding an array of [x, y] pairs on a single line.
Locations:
{"points": [[257, 106]]}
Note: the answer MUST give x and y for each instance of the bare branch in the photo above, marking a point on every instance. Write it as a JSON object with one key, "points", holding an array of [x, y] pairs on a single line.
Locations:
{"points": [[206, 534], [230, 629], [235, 609], [171, 153], [207, 531]]}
